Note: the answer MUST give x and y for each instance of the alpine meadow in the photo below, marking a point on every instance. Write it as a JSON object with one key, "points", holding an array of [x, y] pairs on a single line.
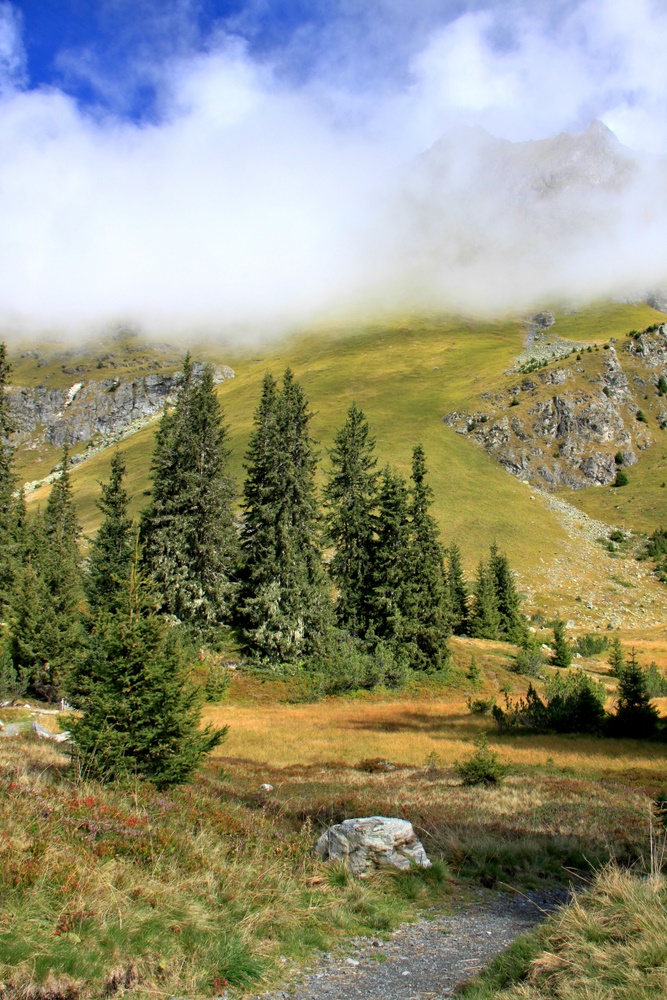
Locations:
{"points": [[333, 501]]}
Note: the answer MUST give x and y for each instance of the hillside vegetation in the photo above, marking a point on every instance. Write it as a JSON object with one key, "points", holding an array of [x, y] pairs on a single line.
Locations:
{"points": [[406, 376]]}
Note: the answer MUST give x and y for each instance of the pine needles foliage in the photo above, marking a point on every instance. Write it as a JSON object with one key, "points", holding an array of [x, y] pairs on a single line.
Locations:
{"points": [[187, 530], [140, 711], [285, 610]]}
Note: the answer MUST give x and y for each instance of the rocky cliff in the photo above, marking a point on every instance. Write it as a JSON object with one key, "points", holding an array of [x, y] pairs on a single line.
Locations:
{"points": [[574, 421], [94, 411]]}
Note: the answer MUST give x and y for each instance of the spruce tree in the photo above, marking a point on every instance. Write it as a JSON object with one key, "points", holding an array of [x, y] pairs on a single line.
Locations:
{"points": [[8, 506], [351, 496], [112, 549], [46, 626], [285, 609], [140, 712], [512, 623], [636, 717], [562, 649], [391, 597], [426, 627], [616, 657], [484, 618], [458, 592], [187, 530]]}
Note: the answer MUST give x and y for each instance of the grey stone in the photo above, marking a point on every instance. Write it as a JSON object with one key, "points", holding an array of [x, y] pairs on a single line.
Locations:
{"points": [[368, 842]]}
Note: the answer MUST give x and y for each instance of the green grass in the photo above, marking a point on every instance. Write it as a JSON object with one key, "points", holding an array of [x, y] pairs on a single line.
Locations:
{"points": [[406, 376]]}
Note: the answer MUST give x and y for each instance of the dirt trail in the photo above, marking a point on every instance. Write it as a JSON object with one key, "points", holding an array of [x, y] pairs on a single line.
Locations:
{"points": [[426, 960]]}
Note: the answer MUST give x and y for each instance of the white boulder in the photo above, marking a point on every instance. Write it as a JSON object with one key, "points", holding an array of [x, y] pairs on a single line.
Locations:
{"points": [[366, 843]]}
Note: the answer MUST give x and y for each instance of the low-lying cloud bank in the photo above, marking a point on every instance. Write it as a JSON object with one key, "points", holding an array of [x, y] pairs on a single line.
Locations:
{"points": [[257, 202]]}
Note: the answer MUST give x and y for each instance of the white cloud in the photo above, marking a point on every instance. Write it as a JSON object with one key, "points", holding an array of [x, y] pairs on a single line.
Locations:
{"points": [[255, 204]]}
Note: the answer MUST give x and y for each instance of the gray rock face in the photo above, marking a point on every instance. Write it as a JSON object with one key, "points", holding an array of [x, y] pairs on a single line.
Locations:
{"points": [[97, 409], [364, 844]]}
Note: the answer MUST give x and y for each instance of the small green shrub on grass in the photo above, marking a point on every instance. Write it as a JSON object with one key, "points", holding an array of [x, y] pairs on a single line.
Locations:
{"points": [[591, 644], [483, 767], [621, 479]]}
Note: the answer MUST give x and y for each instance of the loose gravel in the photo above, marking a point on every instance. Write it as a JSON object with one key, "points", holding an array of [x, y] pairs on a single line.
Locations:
{"points": [[426, 960]]}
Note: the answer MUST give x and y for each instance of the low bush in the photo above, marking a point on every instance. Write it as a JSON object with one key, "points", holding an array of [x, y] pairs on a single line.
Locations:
{"points": [[528, 662], [483, 767], [591, 644], [621, 478], [573, 704], [480, 706], [347, 665]]}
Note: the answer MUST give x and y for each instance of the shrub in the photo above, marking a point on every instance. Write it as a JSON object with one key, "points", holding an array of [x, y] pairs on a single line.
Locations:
{"points": [[662, 386], [656, 683], [616, 536], [346, 665], [217, 682], [591, 644], [618, 458], [641, 417], [480, 706], [483, 767], [621, 479], [528, 662], [573, 704]]}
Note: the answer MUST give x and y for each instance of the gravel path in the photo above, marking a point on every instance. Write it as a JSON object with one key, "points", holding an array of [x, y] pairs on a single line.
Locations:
{"points": [[425, 960]]}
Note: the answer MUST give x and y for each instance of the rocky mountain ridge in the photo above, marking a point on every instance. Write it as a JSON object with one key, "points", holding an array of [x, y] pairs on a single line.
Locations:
{"points": [[607, 411], [95, 411]]}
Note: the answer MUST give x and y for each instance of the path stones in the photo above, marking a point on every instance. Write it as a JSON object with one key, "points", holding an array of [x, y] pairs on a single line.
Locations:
{"points": [[369, 842]]}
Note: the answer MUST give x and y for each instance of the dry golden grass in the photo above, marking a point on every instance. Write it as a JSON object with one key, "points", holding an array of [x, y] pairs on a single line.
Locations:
{"points": [[609, 945], [347, 730]]}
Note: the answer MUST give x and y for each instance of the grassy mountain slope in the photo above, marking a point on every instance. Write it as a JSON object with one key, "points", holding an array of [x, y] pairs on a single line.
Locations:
{"points": [[406, 376]]}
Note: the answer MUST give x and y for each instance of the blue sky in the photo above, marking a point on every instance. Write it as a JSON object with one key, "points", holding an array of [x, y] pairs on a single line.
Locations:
{"points": [[102, 51]]}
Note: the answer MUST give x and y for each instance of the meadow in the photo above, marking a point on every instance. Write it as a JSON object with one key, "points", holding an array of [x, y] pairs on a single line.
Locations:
{"points": [[213, 887]]}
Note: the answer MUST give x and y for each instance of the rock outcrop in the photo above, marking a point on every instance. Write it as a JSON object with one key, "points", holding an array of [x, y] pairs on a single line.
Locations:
{"points": [[96, 410], [367, 843], [570, 425]]}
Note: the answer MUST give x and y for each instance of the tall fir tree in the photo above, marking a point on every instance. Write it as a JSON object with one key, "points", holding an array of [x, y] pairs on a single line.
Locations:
{"points": [[46, 625], [112, 549], [285, 610], [391, 596], [426, 627], [562, 649], [616, 656], [484, 617], [140, 712], [187, 530], [512, 624], [458, 592], [351, 496], [635, 717], [9, 513]]}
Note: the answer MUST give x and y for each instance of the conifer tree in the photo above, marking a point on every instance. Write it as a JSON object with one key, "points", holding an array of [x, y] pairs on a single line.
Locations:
{"points": [[636, 717], [616, 657], [140, 713], [426, 627], [46, 625], [512, 624], [351, 496], [484, 618], [187, 530], [285, 608], [458, 591], [112, 549], [391, 599], [562, 649], [8, 507]]}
